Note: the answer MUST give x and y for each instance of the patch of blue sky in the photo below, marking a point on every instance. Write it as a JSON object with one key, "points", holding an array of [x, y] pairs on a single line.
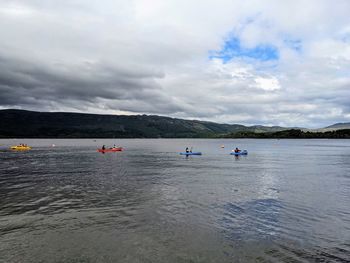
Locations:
{"points": [[345, 38], [233, 49], [295, 44], [271, 67]]}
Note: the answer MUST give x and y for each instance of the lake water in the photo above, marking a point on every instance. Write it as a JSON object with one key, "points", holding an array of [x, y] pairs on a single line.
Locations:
{"points": [[287, 201]]}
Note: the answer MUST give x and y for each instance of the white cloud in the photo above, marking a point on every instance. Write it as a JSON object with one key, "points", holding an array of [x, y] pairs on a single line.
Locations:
{"points": [[145, 56], [268, 84]]}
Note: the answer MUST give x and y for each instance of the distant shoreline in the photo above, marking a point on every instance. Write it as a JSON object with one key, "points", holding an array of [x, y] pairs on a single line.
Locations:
{"points": [[287, 134]]}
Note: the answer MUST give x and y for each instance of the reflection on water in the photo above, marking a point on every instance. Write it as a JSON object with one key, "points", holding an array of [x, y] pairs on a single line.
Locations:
{"points": [[287, 201]]}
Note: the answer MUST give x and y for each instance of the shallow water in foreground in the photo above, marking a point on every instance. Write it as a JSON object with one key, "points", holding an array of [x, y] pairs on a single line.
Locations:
{"points": [[287, 201]]}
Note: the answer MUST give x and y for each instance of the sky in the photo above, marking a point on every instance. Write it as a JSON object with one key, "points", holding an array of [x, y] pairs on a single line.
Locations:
{"points": [[266, 62]]}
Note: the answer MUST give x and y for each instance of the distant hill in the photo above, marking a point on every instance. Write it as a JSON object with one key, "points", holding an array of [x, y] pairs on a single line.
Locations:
{"points": [[30, 124], [263, 129], [293, 134], [338, 126]]}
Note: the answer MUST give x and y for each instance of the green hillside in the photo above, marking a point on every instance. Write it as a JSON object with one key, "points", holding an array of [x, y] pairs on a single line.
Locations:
{"points": [[29, 124]]}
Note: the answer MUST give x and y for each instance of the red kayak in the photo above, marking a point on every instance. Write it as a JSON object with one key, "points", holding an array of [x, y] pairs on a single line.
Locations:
{"points": [[118, 149]]}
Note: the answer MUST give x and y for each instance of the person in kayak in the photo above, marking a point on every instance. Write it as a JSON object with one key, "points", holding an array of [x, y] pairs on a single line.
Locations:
{"points": [[187, 150], [103, 147], [237, 150]]}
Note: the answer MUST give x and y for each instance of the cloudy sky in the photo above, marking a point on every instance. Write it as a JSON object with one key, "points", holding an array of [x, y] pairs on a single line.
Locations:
{"points": [[266, 62]]}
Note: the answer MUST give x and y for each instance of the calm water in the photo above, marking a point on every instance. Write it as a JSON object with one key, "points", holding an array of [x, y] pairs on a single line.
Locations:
{"points": [[287, 201]]}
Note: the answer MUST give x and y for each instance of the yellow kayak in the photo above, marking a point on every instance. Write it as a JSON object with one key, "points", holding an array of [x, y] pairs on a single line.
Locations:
{"points": [[20, 147]]}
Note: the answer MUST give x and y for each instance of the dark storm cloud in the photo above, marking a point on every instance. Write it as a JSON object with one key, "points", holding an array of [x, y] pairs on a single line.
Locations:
{"points": [[26, 83]]}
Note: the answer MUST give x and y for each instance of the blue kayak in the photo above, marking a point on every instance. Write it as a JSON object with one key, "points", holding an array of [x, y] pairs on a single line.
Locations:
{"points": [[244, 152], [191, 153]]}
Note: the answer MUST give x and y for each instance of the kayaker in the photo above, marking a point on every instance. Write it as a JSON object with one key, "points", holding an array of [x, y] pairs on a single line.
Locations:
{"points": [[103, 147], [237, 150], [187, 150]]}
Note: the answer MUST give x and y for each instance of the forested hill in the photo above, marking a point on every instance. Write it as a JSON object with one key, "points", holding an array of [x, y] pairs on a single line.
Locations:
{"points": [[29, 124], [337, 126]]}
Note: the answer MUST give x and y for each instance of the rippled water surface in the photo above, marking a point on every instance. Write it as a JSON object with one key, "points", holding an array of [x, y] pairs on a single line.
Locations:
{"points": [[287, 201]]}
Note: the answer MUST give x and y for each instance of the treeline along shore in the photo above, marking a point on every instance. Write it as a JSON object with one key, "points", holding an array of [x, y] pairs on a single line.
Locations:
{"points": [[292, 134], [31, 124]]}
